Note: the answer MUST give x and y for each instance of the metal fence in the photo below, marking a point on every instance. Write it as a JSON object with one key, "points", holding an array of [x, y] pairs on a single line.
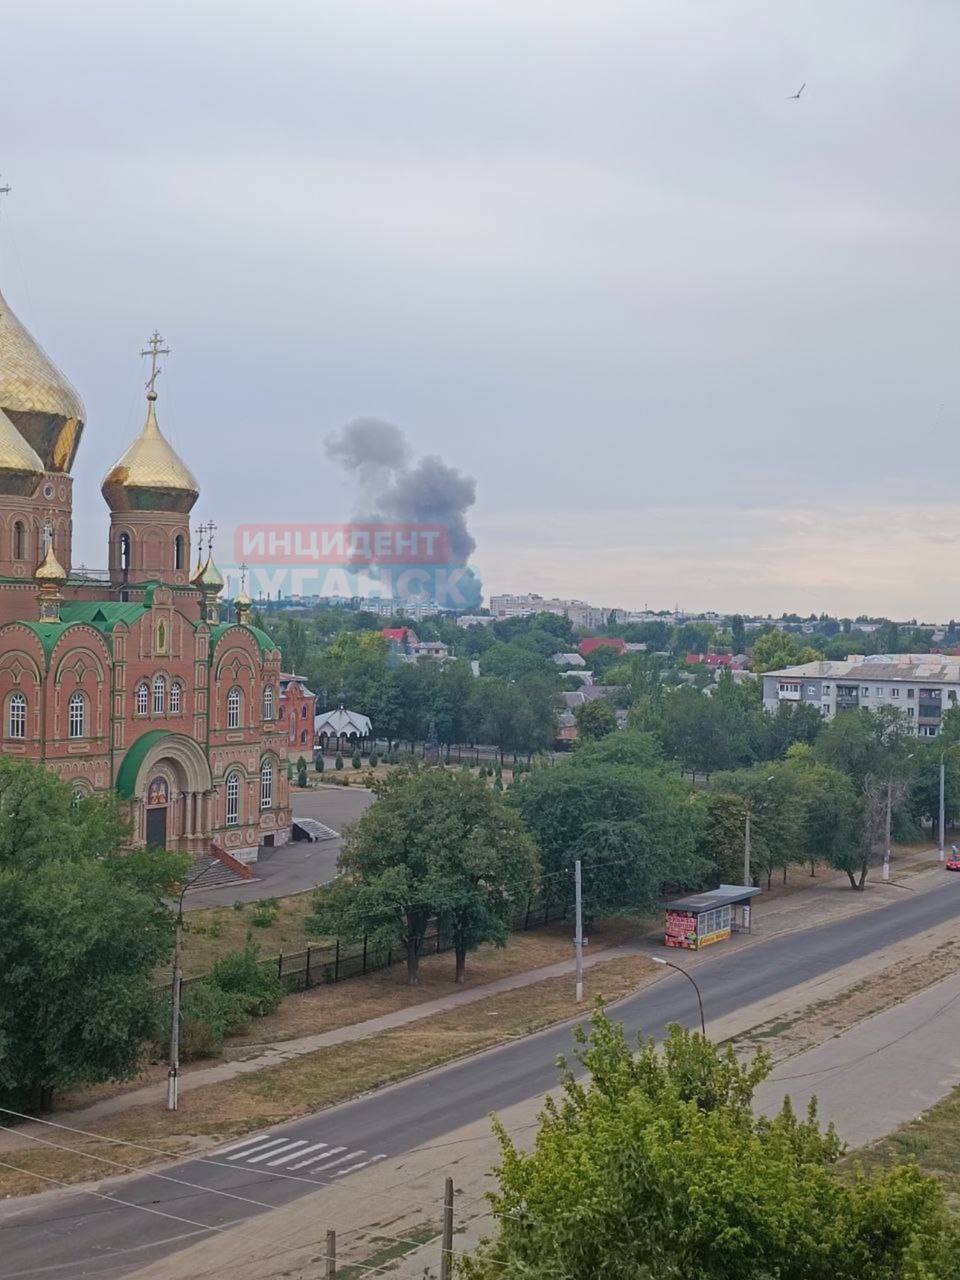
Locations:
{"points": [[338, 961]]}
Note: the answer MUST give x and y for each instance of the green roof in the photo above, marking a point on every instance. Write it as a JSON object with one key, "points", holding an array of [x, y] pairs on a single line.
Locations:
{"points": [[136, 754], [102, 614], [267, 643], [48, 632]]}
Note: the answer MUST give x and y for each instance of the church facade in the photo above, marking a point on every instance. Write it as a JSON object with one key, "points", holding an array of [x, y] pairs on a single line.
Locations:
{"points": [[129, 680]]}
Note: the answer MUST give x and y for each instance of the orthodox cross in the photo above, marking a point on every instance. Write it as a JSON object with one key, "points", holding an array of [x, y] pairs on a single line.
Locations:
{"points": [[155, 348], [201, 529], [211, 529], [243, 575]]}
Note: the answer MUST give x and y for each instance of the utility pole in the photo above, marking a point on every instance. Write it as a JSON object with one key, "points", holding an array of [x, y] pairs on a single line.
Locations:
{"points": [[331, 1272], [579, 937], [746, 850], [941, 813], [886, 852], [446, 1243], [173, 1072]]}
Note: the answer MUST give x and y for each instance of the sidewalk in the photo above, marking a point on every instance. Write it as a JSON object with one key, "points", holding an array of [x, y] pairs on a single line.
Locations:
{"points": [[826, 900]]}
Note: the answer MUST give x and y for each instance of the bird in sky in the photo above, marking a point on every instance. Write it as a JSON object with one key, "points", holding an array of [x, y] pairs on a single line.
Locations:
{"points": [[792, 96]]}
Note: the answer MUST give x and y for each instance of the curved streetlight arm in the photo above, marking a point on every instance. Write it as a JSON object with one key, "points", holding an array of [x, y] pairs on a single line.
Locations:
{"points": [[690, 978]]}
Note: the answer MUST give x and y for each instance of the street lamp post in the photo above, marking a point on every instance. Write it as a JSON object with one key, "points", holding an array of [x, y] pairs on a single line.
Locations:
{"points": [[886, 850], [940, 816], [689, 977], [173, 1071]]}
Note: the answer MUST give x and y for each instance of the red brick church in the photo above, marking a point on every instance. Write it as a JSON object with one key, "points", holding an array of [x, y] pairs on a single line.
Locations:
{"points": [[129, 679]]}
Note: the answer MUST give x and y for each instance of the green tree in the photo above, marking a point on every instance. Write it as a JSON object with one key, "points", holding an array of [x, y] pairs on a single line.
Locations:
{"points": [[781, 649], [84, 928], [434, 844], [656, 1168], [774, 794], [738, 634], [633, 830], [791, 722], [722, 837], [595, 719]]}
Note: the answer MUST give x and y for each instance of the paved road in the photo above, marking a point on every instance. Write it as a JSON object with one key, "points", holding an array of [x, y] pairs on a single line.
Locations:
{"points": [[85, 1237], [902, 1061], [294, 867]]}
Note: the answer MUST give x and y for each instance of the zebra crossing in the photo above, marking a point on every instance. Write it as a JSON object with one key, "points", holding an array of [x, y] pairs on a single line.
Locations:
{"points": [[293, 1155]]}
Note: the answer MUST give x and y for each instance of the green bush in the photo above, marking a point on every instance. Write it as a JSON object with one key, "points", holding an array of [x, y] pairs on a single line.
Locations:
{"points": [[301, 763], [302, 777], [207, 1016], [374, 760], [265, 913], [318, 764], [338, 762], [241, 973], [238, 905], [355, 759]]}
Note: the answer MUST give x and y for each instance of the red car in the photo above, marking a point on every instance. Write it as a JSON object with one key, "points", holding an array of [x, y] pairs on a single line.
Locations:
{"points": [[953, 862]]}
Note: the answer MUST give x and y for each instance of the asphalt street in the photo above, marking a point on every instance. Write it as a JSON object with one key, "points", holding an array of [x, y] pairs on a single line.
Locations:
{"points": [[87, 1237]]}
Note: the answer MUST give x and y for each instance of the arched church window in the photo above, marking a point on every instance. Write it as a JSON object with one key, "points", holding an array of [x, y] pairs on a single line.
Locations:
{"points": [[176, 697], [233, 799], [234, 704], [17, 716], [178, 551], [142, 698], [268, 702], [159, 695], [77, 715], [19, 540], [125, 552], [266, 784]]}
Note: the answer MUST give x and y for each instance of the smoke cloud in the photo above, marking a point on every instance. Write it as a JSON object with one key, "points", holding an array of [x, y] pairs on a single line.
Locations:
{"points": [[392, 486]]}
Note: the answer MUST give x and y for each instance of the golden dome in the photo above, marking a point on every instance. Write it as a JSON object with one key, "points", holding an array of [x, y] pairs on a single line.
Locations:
{"points": [[150, 476], [209, 578], [20, 467], [36, 397], [51, 570]]}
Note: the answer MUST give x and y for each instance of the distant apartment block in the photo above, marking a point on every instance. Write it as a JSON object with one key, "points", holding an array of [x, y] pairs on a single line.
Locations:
{"points": [[585, 616], [922, 687]]}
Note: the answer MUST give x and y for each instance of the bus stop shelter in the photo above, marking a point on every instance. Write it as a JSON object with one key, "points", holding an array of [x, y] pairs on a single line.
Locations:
{"points": [[701, 919]]}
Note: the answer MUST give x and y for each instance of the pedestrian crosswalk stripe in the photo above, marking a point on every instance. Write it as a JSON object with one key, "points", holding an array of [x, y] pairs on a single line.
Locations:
{"points": [[351, 1155], [266, 1154], [292, 1155], [247, 1142], [363, 1163], [242, 1155], [313, 1159]]}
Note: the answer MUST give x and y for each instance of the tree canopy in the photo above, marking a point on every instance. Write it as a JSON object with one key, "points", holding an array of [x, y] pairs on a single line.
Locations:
{"points": [[435, 845], [85, 926], [655, 1168]]}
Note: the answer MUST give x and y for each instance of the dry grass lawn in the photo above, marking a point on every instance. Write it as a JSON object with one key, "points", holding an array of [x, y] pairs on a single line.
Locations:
{"points": [[316, 1080], [212, 932], [932, 1140]]}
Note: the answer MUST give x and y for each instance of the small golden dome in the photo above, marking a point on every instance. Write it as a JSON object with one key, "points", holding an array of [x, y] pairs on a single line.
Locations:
{"points": [[209, 578], [20, 466], [51, 570], [37, 398], [150, 476]]}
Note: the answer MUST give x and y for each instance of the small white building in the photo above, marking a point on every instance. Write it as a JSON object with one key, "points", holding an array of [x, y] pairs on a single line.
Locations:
{"points": [[341, 730]]}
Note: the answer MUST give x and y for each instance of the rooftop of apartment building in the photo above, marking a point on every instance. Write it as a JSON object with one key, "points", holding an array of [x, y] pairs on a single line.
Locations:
{"points": [[881, 666]]}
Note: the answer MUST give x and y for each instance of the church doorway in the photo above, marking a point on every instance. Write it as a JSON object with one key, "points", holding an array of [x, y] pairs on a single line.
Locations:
{"points": [[156, 828], [158, 799]]}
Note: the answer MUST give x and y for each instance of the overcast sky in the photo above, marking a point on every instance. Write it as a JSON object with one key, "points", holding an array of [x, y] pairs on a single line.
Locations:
{"points": [[697, 342]]}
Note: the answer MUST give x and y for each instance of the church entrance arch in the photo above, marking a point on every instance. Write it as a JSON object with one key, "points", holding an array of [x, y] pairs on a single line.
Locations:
{"points": [[171, 790]]}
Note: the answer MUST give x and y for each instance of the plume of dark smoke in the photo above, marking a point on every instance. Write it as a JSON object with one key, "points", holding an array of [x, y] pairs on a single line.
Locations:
{"points": [[428, 491]]}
